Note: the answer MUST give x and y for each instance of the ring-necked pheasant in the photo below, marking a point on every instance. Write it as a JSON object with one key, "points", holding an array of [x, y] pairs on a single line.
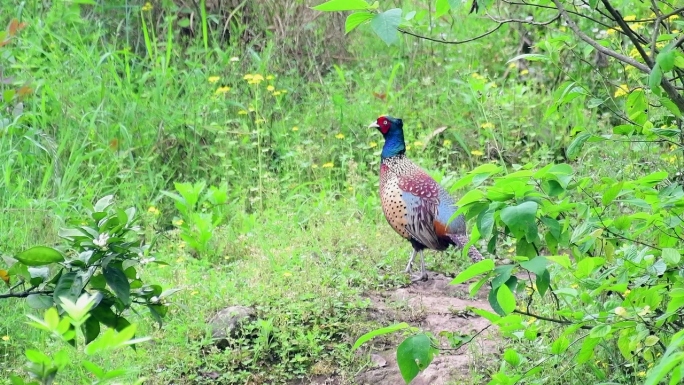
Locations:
{"points": [[415, 205]]}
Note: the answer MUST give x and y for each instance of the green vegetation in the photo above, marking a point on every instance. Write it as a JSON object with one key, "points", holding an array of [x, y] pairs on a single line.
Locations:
{"points": [[237, 135]]}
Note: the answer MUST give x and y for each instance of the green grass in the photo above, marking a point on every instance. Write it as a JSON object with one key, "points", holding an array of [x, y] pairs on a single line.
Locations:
{"points": [[303, 243]]}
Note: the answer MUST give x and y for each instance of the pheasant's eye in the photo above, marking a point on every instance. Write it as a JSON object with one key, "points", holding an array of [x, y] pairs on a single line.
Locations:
{"points": [[385, 122]]}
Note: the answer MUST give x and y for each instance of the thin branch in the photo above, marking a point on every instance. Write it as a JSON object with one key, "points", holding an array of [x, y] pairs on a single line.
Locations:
{"points": [[633, 36], [549, 7], [597, 46], [25, 294], [556, 320], [500, 24]]}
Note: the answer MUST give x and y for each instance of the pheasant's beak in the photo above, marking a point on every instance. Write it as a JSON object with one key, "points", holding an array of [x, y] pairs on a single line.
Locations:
{"points": [[374, 125]]}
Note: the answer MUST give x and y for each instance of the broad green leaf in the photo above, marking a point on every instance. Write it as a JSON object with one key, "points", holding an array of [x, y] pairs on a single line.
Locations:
{"points": [[414, 355], [94, 369], [611, 193], [355, 19], [521, 219], [342, 5], [624, 129], [40, 256], [652, 179], [442, 7], [669, 104], [484, 266], [385, 25], [485, 222], [39, 301], [671, 256], [69, 286], [378, 332], [666, 59], [576, 145], [91, 329], [537, 265], [651, 340], [560, 345], [102, 204], [491, 317], [654, 79], [512, 357], [587, 350], [506, 299], [543, 282], [600, 331], [117, 280]]}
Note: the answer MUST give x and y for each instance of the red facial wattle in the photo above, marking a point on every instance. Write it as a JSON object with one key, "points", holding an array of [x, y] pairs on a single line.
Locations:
{"points": [[383, 125]]}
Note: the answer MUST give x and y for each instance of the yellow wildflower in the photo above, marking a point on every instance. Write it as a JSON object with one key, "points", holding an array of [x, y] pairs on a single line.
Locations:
{"points": [[5, 338], [328, 165], [242, 112], [408, 148], [673, 17], [487, 125], [476, 153], [194, 292], [372, 144], [645, 310], [276, 93], [634, 53], [446, 143], [621, 91], [524, 72], [626, 293], [147, 7], [339, 136], [181, 245], [179, 259], [675, 31], [270, 77], [214, 79], [251, 109], [221, 90], [493, 85], [477, 76], [259, 121], [283, 91], [270, 88], [621, 311], [153, 210], [295, 128], [314, 165], [512, 65], [234, 59], [613, 31], [418, 143], [178, 222], [248, 77], [287, 274], [629, 18], [641, 374], [254, 79]]}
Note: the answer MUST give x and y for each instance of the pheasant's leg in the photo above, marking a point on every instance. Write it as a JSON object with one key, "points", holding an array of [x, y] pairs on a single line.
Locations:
{"points": [[408, 267], [423, 272]]}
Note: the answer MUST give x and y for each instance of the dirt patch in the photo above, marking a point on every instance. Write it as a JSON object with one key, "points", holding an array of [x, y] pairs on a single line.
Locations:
{"points": [[434, 306]]}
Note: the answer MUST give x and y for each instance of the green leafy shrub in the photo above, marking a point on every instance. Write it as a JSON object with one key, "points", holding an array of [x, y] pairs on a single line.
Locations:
{"points": [[44, 367], [102, 255]]}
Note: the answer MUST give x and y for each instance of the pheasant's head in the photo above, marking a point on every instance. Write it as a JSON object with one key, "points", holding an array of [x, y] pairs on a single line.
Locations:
{"points": [[393, 132]]}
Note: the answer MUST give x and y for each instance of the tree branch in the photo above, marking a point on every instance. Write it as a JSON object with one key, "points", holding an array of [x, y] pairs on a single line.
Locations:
{"points": [[607, 51], [500, 24], [25, 294]]}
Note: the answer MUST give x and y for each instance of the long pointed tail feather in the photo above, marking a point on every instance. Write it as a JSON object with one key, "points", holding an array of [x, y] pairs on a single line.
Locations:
{"points": [[460, 240]]}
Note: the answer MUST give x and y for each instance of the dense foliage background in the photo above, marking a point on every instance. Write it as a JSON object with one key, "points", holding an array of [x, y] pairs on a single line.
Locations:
{"points": [[221, 148]]}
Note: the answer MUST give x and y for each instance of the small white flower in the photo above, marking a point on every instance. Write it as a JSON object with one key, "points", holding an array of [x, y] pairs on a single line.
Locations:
{"points": [[154, 299], [101, 240]]}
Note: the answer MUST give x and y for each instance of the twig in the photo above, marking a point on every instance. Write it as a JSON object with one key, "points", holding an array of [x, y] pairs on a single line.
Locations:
{"points": [[597, 46], [500, 24], [556, 320], [25, 294]]}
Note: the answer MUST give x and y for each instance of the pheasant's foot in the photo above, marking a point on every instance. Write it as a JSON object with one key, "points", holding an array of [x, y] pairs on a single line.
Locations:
{"points": [[410, 262], [422, 277]]}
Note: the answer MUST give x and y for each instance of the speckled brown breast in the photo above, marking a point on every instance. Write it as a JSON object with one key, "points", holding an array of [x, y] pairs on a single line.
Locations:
{"points": [[392, 204]]}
